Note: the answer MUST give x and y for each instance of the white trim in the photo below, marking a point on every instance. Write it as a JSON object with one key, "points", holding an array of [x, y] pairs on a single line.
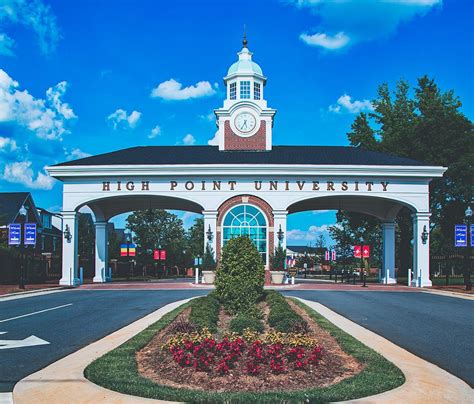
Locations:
{"points": [[246, 169]]}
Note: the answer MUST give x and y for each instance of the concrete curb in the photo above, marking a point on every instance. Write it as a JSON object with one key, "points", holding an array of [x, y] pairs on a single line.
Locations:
{"points": [[425, 382], [449, 293], [31, 293], [64, 381]]}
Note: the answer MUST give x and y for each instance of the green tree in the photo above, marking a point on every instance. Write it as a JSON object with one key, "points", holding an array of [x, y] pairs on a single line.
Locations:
{"points": [[426, 126], [195, 238], [278, 259], [154, 228], [240, 276], [208, 261]]}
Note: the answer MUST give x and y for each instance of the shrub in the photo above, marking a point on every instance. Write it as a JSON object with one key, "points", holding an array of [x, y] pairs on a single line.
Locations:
{"points": [[277, 259], [282, 317], [240, 276], [244, 321], [205, 313]]}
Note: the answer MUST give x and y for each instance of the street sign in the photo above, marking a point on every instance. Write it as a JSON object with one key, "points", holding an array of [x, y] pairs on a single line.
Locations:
{"points": [[366, 251], [460, 235], [357, 251], [333, 255], [472, 237], [197, 261], [14, 234], [30, 234], [326, 255]]}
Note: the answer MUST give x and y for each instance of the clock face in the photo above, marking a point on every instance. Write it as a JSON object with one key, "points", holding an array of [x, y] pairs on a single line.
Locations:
{"points": [[245, 122]]}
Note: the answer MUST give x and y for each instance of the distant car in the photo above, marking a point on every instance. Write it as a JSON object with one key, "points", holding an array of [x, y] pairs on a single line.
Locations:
{"points": [[356, 273]]}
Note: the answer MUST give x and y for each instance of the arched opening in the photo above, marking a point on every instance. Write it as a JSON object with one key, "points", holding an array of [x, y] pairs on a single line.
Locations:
{"points": [[130, 232], [381, 223]]}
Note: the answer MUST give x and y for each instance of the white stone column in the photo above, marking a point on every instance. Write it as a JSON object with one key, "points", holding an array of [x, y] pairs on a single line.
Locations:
{"points": [[70, 257], [421, 251], [101, 252], [210, 222], [388, 233], [279, 221]]}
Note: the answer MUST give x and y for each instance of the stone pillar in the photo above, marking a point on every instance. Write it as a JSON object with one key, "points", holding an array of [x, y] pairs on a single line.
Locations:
{"points": [[210, 221], [101, 252], [279, 218], [70, 257], [388, 232], [421, 251]]}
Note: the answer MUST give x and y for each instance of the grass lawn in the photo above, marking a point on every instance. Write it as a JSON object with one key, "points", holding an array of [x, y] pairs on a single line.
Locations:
{"points": [[117, 370]]}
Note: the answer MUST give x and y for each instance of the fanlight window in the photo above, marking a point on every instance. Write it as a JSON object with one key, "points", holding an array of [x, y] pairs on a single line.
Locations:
{"points": [[246, 220]]}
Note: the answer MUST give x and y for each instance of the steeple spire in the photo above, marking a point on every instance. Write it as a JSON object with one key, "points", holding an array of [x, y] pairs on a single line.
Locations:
{"points": [[244, 41]]}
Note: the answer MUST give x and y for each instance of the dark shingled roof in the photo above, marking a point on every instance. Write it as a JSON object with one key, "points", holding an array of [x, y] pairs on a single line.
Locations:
{"points": [[10, 204], [311, 155]]}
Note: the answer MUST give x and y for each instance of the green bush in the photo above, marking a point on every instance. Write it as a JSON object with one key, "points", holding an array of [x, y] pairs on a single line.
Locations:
{"points": [[240, 276], [282, 317], [242, 321], [205, 313]]}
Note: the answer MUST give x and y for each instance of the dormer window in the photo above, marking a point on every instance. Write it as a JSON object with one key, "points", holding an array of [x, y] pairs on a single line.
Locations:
{"points": [[245, 90], [46, 220], [233, 91], [256, 91]]}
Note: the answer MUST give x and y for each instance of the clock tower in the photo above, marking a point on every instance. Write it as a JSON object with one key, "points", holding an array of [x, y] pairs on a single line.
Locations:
{"points": [[245, 122]]}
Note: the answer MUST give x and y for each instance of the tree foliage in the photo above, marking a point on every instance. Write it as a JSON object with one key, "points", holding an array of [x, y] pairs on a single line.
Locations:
{"points": [[424, 124], [277, 259]]}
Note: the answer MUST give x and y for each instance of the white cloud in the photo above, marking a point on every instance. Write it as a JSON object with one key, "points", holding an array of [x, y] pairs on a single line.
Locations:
{"points": [[45, 117], [7, 144], [22, 173], [189, 140], [173, 90], [358, 21], [209, 117], [75, 154], [34, 15], [119, 118], [156, 131], [354, 107], [312, 234], [326, 41], [215, 140]]}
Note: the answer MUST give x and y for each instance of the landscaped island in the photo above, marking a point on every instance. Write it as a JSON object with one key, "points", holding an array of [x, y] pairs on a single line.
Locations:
{"points": [[242, 344]]}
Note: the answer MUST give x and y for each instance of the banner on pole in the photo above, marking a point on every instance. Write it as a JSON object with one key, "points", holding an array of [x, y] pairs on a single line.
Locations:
{"points": [[162, 255], [366, 251], [30, 233], [333, 255], [123, 250], [326, 255], [156, 255], [460, 235], [14, 234], [357, 251], [132, 250]]}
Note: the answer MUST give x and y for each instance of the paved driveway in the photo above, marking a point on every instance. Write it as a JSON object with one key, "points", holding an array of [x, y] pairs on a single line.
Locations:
{"points": [[437, 328], [70, 320]]}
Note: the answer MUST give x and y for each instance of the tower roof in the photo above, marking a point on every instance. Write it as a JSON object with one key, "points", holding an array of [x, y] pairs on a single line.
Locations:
{"points": [[245, 64]]}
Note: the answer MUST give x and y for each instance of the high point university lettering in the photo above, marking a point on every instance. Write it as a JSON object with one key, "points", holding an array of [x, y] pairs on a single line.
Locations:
{"points": [[364, 186]]}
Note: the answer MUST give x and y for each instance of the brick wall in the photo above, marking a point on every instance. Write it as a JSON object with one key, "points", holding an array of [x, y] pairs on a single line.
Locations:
{"points": [[235, 142]]}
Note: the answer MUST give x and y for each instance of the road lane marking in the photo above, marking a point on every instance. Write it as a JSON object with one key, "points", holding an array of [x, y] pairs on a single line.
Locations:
{"points": [[36, 312], [32, 340]]}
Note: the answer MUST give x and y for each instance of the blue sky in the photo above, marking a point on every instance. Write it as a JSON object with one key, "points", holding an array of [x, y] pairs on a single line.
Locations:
{"points": [[88, 77]]}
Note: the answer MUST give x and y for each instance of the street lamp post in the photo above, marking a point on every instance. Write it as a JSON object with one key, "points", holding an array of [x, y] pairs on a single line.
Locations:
{"points": [[23, 213], [467, 263]]}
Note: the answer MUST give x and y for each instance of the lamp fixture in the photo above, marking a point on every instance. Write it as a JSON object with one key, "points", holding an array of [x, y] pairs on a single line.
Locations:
{"points": [[280, 234], [209, 234], [67, 234], [424, 235]]}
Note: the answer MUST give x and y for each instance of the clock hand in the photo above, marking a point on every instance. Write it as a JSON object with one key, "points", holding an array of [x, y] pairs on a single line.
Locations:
{"points": [[244, 124]]}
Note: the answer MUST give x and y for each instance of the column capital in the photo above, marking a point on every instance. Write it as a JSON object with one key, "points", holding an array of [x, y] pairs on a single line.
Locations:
{"points": [[69, 214], [388, 225], [100, 224], [280, 213], [210, 213], [421, 215]]}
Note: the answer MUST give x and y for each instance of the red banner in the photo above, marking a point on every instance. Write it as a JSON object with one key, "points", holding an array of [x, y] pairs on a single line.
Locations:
{"points": [[357, 251], [163, 255], [366, 251], [326, 255], [156, 255], [333, 255]]}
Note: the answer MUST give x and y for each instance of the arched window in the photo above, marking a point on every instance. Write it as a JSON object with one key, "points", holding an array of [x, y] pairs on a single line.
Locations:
{"points": [[247, 220]]}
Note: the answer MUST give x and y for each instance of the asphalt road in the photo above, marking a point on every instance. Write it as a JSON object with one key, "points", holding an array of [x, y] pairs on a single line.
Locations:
{"points": [[85, 316], [437, 328]]}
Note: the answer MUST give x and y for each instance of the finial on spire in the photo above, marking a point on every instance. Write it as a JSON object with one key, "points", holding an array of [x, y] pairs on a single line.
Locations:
{"points": [[244, 41]]}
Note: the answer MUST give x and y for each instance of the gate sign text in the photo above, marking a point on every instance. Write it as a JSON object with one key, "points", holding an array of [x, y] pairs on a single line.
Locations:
{"points": [[460, 235], [30, 233], [14, 234]]}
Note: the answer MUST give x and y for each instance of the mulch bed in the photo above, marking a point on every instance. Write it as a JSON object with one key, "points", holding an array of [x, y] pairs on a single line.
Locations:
{"points": [[159, 366]]}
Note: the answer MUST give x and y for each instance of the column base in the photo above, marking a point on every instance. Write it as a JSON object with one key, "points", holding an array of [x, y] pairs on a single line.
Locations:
{"points": [[390, 281], [99, 279], [67, 282], [424, 283]]}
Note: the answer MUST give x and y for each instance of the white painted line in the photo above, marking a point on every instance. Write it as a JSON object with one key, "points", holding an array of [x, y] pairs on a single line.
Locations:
{"points": [[32, 340], [36, 312]]}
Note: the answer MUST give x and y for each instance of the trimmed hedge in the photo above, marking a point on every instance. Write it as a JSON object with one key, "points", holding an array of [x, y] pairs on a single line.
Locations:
{"points": [[205, 313], [282, 317], [243, 321]]}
